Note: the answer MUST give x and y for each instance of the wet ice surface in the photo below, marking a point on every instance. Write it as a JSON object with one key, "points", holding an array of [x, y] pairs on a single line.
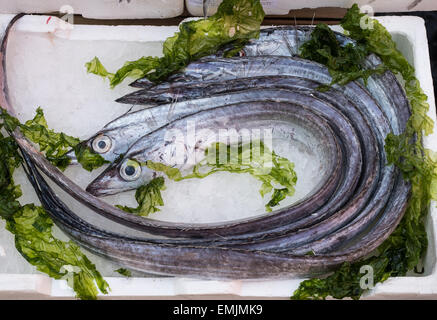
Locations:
{"points": [[47, 71], [228, 196]]}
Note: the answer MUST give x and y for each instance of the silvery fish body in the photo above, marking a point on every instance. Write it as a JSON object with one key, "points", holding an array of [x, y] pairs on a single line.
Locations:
{"points": [[182, 143], [118, 135], [272, 41], [218, 73], [274, 246], [278, 41]]}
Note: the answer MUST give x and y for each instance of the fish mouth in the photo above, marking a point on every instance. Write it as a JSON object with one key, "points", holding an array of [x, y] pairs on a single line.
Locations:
{"points": [[103, 185], [96, 190]]}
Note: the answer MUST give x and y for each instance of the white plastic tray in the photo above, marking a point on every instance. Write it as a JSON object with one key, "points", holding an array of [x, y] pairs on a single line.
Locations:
{"points": [[132, 41]]}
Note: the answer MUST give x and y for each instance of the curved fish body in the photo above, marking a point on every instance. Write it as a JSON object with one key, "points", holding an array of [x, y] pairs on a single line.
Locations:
{"points": [[254, 248], [145, 148], [386, 85], [118, 135], [121, 133], [182, 143], [277, 41], [378, 125], [284, 41], [195, 261], [366, 189]]}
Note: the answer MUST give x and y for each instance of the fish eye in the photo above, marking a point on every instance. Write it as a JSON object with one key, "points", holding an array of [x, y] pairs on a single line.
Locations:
{"points": [[130, 170], [102, 144]]}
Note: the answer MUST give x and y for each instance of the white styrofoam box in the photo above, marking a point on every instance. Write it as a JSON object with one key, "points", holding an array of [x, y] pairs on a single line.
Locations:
{"points": [[279, 7], [46, 68], [99, 9]]}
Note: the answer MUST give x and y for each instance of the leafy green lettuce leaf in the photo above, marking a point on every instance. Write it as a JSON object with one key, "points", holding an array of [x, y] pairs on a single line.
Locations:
{"points": [[131, 69], [257, 160], [345, 63], [124, 272], [88, 159], [96, 67], [32, 228], [404, 248], [148, 198], [379, 41], [9, 161], [252, 158], [54, 145], [235, 21]]}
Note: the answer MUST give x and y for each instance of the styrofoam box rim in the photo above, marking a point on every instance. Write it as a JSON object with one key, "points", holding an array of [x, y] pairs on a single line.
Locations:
{"points": [[149, 9], [279, 7], [99, 9], [41, 286]]}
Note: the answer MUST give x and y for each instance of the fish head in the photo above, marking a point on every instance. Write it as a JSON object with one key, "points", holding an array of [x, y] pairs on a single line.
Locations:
{"points": [[124, 175], [102, 143]]}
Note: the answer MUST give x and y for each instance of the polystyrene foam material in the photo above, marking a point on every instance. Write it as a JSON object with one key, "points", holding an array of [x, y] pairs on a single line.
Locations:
{"points": [[54, 83], [280, 7], [99, 9], [150, 9]]}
